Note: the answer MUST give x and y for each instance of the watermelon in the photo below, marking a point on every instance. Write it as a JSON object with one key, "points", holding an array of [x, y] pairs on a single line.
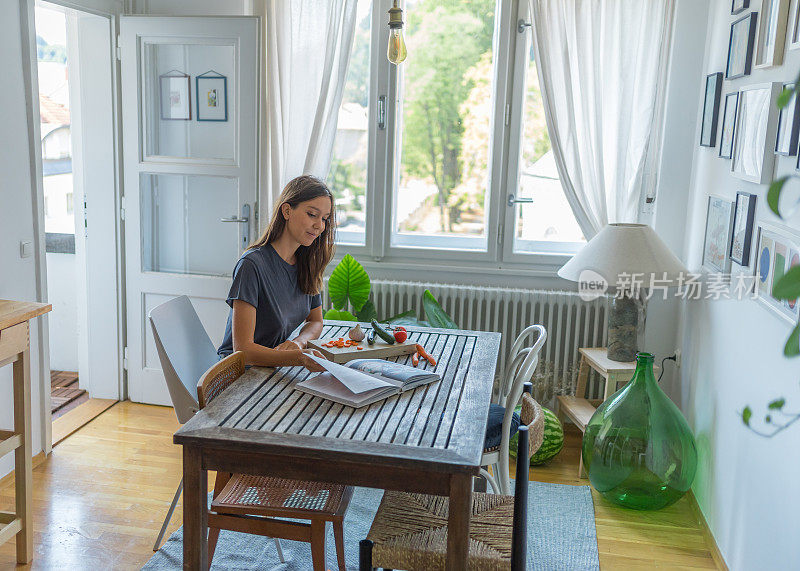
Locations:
{"points": [[552, 443]]}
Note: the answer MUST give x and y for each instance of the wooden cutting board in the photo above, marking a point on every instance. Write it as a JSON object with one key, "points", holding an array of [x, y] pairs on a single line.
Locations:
{"points": [[380, 350]]}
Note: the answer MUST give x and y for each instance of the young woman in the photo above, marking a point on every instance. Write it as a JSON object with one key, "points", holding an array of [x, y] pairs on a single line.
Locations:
{"points": [[276, 282]]}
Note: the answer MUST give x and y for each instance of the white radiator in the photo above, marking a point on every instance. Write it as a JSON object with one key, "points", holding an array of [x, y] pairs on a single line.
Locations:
{"points": [[570, 322]]}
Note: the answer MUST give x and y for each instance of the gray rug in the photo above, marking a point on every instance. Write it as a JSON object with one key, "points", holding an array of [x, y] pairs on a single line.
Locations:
{"points": [[561, 535]]}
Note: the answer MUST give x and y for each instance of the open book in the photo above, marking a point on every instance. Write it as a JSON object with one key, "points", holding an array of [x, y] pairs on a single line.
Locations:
{"points": [[363, 381]]}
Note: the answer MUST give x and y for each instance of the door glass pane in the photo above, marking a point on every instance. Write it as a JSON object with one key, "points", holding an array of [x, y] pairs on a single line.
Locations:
{"points": [[441, 198], [347, 177], [180, 224], [547, 221], [190, 100]]}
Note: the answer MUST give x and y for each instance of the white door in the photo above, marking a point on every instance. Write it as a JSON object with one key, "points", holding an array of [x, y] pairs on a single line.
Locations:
{"points": [[190, 116]]}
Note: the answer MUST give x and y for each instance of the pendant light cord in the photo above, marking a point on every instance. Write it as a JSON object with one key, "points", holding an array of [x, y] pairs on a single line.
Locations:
{"points": [[664, 360]]}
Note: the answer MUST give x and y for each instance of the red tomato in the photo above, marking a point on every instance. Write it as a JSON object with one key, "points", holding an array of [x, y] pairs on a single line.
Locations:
{"points": [[400, 335]]}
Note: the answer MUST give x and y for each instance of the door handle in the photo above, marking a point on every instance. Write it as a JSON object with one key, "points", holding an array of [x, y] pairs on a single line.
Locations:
{"points": [[244, 220], [512, 200]]}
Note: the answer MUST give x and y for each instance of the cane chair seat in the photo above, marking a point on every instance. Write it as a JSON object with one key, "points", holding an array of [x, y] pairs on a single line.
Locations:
{"points": [[263, 495], [410, 531]]}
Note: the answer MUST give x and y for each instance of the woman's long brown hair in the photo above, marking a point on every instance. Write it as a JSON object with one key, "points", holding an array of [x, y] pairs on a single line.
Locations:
{"points": [[311, 260]]}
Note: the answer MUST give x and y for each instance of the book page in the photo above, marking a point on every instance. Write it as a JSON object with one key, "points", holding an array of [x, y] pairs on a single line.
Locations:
{"points": [[356, 381]]}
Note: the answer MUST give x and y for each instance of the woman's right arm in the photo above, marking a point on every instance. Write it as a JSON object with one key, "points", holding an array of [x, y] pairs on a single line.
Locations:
{"points": [[243, 326]]}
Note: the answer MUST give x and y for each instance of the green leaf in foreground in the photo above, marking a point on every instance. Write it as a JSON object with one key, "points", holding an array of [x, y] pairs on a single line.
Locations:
{"points": [[792, 347], [777, 404], [746, 414], [406, 318], [350, 281], [785, 96], [339, 315], [436, 315], [368, 312], [788, 285], [774, 193]]}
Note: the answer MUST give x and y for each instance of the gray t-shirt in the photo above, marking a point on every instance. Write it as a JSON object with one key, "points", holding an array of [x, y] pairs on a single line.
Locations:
{"points": [[267, 282]]}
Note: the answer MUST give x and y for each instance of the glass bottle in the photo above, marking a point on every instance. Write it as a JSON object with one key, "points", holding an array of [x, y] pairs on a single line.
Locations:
{"points": [[638, 449]]}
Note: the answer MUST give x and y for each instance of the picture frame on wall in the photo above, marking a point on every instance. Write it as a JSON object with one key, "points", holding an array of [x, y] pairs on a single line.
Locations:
{"points": [[740, 46], [771, 33], [719, 223], [728, 125], [708, 127], [756, 123], [778, 250], [742, 233], [211, 91], [788, 126], [793, 31], [739, 6], [175, 96]]}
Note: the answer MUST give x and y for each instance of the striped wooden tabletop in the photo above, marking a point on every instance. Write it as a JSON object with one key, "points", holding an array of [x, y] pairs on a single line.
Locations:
{"points": [[441, 423]]}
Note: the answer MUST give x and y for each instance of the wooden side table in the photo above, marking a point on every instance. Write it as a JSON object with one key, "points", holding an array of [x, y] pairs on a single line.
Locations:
{"points": [[580, 409], [15, 348]]}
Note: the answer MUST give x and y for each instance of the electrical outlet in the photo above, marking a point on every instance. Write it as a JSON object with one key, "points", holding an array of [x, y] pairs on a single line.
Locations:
{"points": [[677, 357]]}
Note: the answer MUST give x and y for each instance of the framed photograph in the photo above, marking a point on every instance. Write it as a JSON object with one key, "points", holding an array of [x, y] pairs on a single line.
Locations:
{"points": [[176, 96], [756, 123], [778, 250], [211, 89], [728, 125], [742, 234], [771, 32], [739, 6], [740, 46], [793, 32], [719, 220], [708, 128], [786, 140]]}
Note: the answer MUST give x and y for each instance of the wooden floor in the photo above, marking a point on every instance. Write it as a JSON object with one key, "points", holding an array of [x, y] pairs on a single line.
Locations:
{"points": [[100, 498]]}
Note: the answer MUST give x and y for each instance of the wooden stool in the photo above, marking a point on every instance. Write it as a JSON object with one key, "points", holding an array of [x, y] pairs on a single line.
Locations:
{"points": [[580, 409]]}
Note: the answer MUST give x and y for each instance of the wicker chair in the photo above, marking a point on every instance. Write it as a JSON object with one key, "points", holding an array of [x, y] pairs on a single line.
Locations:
{"points": [[249, 503], [410, 530]]}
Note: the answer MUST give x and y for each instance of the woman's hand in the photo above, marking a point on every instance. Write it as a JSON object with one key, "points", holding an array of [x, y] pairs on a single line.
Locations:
{"points": [[310, 363], [289, 345]]}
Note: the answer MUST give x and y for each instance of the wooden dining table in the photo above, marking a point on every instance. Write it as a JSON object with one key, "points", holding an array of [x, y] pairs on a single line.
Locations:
{"points": [[427, 440]]}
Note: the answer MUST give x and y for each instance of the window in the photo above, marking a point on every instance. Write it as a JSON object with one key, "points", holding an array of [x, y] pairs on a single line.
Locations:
{"points": [[428, 154]]}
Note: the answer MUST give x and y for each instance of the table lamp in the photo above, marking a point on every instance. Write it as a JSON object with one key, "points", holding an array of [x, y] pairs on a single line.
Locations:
{"points": [[619, 250]]}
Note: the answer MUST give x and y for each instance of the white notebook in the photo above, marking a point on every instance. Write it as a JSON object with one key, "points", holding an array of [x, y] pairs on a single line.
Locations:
{"points": [[364, 381]]}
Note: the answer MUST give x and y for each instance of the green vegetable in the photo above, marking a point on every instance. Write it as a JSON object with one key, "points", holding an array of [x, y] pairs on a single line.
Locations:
{"points": [[371, 337], [382, 333]]}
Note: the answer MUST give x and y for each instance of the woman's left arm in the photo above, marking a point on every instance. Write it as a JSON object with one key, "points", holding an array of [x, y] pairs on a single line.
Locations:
{"points": [[311, 330]]}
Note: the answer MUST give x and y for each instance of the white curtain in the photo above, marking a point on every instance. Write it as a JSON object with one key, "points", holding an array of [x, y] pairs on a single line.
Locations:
{"points": [[307, 53], [602, 70]]}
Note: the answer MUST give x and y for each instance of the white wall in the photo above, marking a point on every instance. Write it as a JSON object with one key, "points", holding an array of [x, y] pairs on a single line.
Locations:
{"points": [[62, 294], [17, 275], [746, 485]]}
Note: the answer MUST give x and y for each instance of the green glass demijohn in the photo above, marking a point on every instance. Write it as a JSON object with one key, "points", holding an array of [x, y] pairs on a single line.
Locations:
{"points": [[638, 449]]}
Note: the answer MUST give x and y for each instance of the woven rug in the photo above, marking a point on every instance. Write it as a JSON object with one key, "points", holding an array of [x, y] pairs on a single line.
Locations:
{"points": [[561, 535]]}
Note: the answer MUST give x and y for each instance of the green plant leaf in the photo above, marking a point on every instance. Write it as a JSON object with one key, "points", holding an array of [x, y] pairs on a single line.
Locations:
{"points": [[774, 193], [349, 281], [406, 318], [792, 347], [788, 286], [746, 414], [436, 315], [368, 312], [339, 315], [785, 96], [777, 404]]}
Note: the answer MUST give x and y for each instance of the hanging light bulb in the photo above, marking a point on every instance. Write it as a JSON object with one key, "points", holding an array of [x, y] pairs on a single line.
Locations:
{"points": [[397, 46]]}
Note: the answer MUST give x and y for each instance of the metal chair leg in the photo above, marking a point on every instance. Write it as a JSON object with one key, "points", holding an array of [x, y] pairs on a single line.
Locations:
{"points": [[488, 477], [365, 555], [280, 550], [169, 516]]}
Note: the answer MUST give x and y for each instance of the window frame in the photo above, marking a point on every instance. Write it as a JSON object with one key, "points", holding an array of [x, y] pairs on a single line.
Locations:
{"points": [[509, 66]]}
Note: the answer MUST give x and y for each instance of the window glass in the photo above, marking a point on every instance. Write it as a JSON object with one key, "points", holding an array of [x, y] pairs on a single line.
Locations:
{"points": [[441, 195]]}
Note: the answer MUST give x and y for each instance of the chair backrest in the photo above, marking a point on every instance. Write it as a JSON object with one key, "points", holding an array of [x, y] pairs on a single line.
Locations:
{"points": [[521, 364], [519, 531], [185, 352], [219, 377]]}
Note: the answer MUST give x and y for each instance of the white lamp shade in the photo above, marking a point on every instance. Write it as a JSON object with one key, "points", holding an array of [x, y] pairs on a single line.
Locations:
{"points": [[625, 249]]}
